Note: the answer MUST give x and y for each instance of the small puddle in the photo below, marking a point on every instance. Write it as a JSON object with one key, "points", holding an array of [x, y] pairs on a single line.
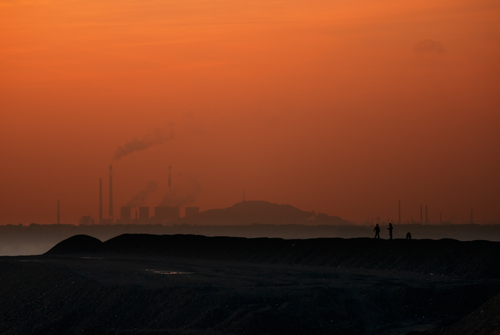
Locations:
{"points": [[163, 272]]}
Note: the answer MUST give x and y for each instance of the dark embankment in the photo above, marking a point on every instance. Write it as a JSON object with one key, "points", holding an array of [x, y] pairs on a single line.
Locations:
{"points": [[36, 239], [475, 259], [188, 284], [78, 244], [84, 297]]}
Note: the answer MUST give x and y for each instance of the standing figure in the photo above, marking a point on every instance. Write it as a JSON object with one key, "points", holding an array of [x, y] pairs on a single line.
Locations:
{"points": [[408, 236], [377, 231], [390, 231]]}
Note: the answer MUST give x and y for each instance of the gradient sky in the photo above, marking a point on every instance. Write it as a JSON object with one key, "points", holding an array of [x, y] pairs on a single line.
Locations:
{"points": [[342, 107]]}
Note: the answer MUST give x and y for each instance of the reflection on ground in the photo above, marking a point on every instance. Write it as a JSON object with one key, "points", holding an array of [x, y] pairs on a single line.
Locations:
{"points": [[163, 272]]}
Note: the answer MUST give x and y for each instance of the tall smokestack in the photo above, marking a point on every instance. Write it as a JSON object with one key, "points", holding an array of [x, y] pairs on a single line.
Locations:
{"points": [[399, 212], [58, 222], [421, 218], [169, 176], [100, 200], [111, 193]]}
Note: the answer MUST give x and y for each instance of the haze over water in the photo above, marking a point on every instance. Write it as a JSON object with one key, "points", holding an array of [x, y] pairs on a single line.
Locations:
{"points": [[342, 107]]}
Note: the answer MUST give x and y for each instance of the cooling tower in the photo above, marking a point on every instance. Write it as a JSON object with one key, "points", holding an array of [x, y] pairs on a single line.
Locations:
{"points": [[165, 213], [175, 212], [143, 214], [161, 214], [125, 216]]}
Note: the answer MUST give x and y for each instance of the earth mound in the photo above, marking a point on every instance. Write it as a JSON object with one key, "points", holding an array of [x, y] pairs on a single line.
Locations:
{"points": [[192, 284], [78, 244], [476, 259]]}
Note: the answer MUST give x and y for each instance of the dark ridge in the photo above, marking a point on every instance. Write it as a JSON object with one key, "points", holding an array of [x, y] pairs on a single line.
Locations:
{"points": [[475, 259], [77, 244]]}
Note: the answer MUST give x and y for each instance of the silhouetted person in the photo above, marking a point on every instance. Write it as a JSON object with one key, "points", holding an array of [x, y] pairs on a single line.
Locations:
{"points": [[390, 231], [408, 236], [377, 231]]}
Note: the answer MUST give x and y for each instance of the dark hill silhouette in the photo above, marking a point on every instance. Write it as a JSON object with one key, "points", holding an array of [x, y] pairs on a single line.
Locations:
{"points": [[476, 259], [263, 212], [77, 244]]}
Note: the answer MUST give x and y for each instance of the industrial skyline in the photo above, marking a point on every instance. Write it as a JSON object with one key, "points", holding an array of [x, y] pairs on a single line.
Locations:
{"points": [[162, 214]]}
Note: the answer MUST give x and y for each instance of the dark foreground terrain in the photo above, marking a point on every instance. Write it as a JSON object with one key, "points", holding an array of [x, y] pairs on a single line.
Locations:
{"points": [[186, 284]]}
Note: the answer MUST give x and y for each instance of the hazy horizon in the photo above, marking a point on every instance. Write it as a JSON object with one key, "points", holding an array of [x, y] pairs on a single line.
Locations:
{"points": [[343, 108], [370, 221]]}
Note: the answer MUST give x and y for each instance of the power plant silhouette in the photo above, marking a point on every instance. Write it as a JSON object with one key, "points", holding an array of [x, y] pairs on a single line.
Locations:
{"points": [[162, 214]]}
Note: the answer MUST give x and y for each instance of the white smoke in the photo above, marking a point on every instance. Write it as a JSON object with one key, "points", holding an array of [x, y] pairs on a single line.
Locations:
{"points": [[140, 198], [183, 192], [158, 136]]}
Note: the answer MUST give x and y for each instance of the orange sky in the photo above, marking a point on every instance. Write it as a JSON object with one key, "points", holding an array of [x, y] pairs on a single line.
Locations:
{"points": [[342, 107]]}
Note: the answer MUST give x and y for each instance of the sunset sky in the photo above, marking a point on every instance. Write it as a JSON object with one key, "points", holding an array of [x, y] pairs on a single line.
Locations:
{"points": [[341, 107]]}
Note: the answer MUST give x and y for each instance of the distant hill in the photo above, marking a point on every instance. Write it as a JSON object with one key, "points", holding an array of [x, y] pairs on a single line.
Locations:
{"points": [[262, 212]]}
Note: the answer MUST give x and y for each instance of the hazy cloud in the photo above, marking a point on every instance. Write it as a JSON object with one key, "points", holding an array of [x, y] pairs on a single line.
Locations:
{"points": [[140, 198], [157, 137], [428, 46], [183, 192]]}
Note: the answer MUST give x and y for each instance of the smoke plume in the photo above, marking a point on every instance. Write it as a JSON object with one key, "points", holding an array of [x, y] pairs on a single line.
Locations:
{"points": [[140, 198], [182, 193], [157, 137]]}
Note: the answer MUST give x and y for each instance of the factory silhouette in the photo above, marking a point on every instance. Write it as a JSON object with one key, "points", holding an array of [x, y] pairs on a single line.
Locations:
{"points": [[171, 209], [162, 214]]}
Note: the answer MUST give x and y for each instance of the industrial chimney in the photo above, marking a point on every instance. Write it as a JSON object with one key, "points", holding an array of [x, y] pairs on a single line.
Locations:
{"points": [[100, 200], [399, 205], [169, 176], [111, 193]]}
